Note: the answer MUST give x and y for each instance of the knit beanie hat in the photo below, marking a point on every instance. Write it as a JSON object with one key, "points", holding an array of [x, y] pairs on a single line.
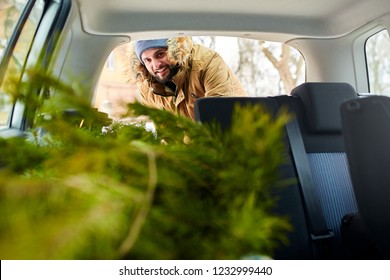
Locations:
{"points": [[143, 45]]}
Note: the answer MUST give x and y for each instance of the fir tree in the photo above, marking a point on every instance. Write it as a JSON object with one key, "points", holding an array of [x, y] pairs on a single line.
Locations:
{"points": [[185, 191]]}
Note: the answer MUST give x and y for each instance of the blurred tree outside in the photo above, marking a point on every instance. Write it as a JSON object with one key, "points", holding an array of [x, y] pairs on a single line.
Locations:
{"points": [[378, 63], [264, 68], [8, 17], [10, 11]]}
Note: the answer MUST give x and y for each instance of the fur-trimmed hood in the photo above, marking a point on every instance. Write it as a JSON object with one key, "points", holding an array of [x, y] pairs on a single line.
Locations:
{"points": [[179, 52]]}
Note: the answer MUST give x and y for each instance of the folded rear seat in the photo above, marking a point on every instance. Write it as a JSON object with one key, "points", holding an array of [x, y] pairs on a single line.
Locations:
{"points": [[330, 196]]}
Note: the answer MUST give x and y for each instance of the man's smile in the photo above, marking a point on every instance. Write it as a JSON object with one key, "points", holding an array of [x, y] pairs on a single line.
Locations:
{"points": [[162, 71]]}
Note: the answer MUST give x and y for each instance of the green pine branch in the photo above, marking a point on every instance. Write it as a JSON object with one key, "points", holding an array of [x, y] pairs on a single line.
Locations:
{"points": [[186, 191]]}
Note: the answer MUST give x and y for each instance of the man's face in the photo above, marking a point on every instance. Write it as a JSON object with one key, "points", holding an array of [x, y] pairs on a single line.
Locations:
{"points": [[157, 63]]}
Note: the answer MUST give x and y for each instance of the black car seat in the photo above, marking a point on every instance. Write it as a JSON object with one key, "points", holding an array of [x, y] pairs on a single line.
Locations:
{"points": [[317, 109], [220, 110], [318, 161], [366, 122]]}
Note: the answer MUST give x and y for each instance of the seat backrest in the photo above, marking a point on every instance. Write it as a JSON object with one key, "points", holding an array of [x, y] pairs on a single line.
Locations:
{"points": [[366, 124], [289, 203], [317, 108]]}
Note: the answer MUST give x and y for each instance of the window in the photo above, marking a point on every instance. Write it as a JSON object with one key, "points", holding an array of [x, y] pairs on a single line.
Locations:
{"points": [[12, 14], [264, 68], [110, 65], [378, 63]]}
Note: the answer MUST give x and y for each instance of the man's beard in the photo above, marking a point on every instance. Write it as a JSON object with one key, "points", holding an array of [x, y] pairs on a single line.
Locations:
{"points": [[172, 72]]}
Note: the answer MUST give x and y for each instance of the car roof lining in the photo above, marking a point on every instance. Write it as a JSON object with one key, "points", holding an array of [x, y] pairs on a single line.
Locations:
{"points": [[282, 20]]}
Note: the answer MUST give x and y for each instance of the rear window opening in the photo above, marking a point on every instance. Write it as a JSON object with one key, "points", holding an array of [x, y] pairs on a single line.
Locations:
{"points": [[264, 69]]}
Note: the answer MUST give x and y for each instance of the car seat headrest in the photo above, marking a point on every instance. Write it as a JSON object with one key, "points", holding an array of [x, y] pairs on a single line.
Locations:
{"points": [[322, 102]]}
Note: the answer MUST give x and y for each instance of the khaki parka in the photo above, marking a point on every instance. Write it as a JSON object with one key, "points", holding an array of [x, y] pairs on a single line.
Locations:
{"points": [[202, 73]]}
